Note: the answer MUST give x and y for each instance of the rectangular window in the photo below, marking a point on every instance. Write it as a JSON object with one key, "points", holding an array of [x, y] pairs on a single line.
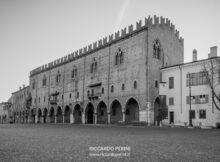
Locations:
{"points": [[196, 78], [171, 82], [171, 101], [198, 99], [193, 114], [202, 114]]}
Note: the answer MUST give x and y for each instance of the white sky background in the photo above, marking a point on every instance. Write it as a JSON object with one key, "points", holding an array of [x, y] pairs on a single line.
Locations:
{"points": [[36, 32]]}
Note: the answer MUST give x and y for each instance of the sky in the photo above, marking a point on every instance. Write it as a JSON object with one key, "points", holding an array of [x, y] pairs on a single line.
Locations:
{"points": [[36, 32]]}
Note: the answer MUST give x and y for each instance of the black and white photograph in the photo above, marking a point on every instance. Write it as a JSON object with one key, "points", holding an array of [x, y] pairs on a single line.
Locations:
{"points": [[109, 80]]}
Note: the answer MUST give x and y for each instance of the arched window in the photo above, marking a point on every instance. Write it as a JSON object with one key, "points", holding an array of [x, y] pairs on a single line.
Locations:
{"points": [[70, 95], [157, 49], [94, 65], [88, 93], [119, 57], [58, 77], [156, 84], [123, 87], [135, 84], [74, 72], [103, 90], [112, 88], [44, 82], [92, 92]]}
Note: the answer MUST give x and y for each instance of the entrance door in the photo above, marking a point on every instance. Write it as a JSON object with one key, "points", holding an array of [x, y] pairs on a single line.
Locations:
{"points": [[171, 117]]}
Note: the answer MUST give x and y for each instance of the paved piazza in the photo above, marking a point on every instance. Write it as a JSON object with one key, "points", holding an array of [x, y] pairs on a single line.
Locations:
{"points": [[65, 142]]}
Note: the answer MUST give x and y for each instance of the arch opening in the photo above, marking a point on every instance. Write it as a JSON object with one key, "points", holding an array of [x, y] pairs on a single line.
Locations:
{"points": [[67, 114], [59, 115], [77, 114], [89, 114], [131, 111], [52, 115], [116, 112], [102, 116]]}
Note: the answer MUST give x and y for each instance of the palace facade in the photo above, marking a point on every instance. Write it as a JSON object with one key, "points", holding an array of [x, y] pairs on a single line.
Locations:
{"points": [[113, 80]]}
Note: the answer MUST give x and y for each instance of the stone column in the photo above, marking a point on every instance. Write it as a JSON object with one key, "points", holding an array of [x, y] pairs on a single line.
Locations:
{"points": [[71, 118], [48, 118], [95, 118], [109, 117], [83, 118], [36, 118], [63, 118], [123, 117], [55, 121]]}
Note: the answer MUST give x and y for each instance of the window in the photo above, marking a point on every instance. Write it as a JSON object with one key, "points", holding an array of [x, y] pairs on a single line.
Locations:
{"points": [[93, 67], [135, 84], [44, 98], [74, 72], [39, 99], [202, 114], [119, 57], [156, 49], [193, 114], [196, 78], [171, 82], [112, 88], [92, 92], [123, 87], [70, 95], [88, 93], [62, 97], [58, 77], [156, 84], [33, 84], [198, 99], [103, 90], [44, 82], [171, 101], [77, 95]]}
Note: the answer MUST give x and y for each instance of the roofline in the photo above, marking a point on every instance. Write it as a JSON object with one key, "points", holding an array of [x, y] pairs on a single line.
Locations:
{"points": [[198, 61]]}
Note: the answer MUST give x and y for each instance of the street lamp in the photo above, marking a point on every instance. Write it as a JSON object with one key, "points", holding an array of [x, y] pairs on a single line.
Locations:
{"points": [[190, 116]]}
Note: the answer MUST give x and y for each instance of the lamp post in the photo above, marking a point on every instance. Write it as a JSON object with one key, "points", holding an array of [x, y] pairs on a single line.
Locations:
{"points": [[190, 116]]}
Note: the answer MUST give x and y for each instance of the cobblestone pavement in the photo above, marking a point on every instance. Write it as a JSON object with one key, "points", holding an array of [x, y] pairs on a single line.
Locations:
{"points": [[65, 142]]}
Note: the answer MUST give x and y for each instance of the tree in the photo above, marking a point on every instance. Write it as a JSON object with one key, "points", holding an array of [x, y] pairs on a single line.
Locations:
{"points": [[212, 72]]}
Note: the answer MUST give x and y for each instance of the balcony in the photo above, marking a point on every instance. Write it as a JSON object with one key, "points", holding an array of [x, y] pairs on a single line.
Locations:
{"points": [[94, 96]]}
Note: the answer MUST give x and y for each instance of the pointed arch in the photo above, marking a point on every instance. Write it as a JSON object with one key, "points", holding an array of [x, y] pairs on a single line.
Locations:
{"points": [[52, 115], [59, 115], [89, 113], [131, 111], [102, 116], [67, 112], [116, 111], [77, 114]]}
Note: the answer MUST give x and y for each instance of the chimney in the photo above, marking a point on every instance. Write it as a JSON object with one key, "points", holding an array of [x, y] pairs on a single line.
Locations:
{"points": [[194, 55], [23, 85], [19, 88], [213, 51]]}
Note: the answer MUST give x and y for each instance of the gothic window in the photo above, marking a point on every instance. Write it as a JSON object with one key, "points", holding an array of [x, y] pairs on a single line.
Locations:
{"points": [[156, 49], [119, 57], [112, 88], [74, 72], [44, 82], [156, 84], [70, 95], [123, 87], [135, 84], [88, 93], [94, 65], [103, 90], [58, 76]]}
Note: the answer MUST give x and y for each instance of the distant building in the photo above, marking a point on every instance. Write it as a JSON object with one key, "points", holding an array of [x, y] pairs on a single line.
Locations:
{"points": [[4, 112], [20, 105], [175, 86]]}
